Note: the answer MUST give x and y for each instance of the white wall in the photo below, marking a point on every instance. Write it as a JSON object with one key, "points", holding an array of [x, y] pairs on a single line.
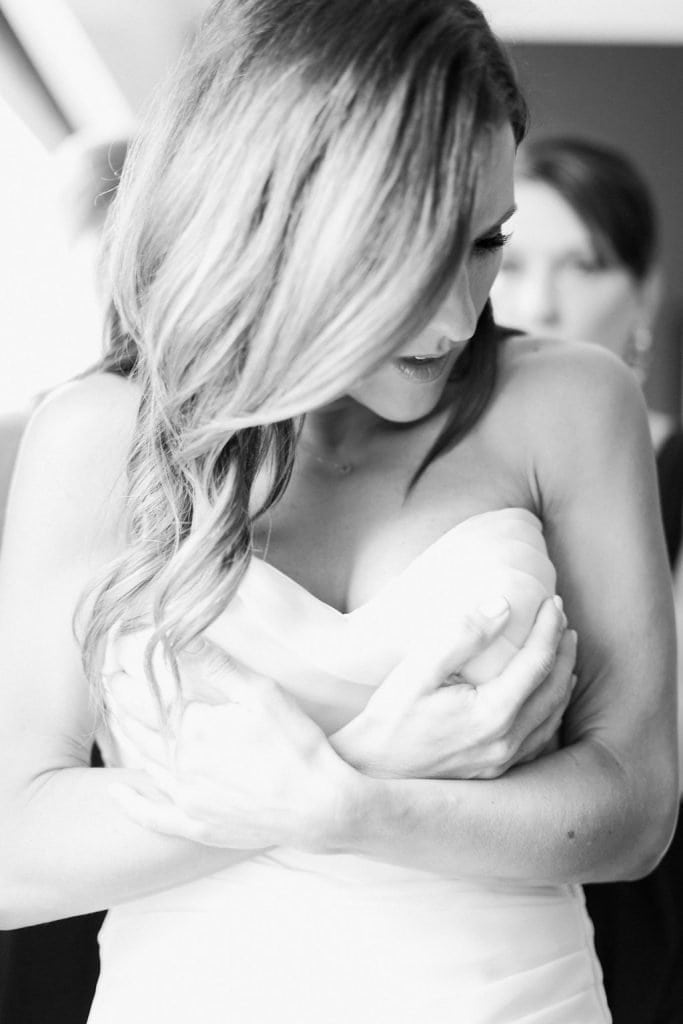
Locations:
{"points": [[49, 319], [588, 21]]}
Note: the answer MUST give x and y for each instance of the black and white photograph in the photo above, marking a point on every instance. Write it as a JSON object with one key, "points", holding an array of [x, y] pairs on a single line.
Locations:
{"points": [[341, 511]]}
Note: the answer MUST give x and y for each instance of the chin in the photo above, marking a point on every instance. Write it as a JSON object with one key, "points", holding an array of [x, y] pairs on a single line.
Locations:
{"points": [[400, 397], [403, 404]]}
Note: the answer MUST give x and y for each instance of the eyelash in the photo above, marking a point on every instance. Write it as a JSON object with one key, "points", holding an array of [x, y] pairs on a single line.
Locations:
{"points": [[491, 244]]}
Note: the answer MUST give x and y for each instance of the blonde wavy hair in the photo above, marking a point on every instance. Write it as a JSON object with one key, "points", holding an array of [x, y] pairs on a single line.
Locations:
{"points": [[294, 210]]}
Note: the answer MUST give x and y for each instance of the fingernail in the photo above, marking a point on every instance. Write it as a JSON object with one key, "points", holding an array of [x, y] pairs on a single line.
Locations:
{"points": [[558, 602], [494, 607], [574, 681]]}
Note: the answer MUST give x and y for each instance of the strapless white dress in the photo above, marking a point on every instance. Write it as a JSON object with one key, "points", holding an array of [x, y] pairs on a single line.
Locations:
{"points": [[294, 938]]}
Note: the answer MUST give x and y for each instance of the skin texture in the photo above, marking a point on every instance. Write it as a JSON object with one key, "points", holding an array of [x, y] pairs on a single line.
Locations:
{"points": [[553, 284], [566, 436], [386, 393]]}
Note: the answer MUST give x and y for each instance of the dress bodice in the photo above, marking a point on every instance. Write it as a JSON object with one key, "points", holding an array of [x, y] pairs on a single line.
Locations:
{"points": [[295, 937], [331, 661]]}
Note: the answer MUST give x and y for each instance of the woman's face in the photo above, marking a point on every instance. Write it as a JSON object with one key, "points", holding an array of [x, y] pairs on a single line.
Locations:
{"points": [[409, 385], [552, 283]]}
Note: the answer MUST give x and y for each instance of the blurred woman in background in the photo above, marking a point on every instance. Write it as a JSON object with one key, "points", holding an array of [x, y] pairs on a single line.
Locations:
{"points": [[313, 460], [581, 264]]}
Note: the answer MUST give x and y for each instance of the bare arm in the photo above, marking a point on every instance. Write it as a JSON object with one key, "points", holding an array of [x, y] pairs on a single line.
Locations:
{"points": [[72, 847], [66, 846], [603, 807]]}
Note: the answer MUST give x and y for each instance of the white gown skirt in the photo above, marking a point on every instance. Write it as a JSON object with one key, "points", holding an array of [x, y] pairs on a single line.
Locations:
{"points": [[290, 938], [293, 938]]}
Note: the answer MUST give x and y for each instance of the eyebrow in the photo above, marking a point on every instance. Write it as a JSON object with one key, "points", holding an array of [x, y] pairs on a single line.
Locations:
{"points": [[501, 220]]}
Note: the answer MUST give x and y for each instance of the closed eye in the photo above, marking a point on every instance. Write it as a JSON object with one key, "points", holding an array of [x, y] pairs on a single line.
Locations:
{"points": [[490, 243]]}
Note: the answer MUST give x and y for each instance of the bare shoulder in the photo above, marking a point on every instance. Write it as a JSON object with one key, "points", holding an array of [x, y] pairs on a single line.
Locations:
{"points": [[574, 418], [89, 411], [86, 426], [582, 387], [69, 481]]}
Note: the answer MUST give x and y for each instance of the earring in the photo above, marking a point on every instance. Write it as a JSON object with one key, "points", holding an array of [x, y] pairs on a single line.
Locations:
{"points": [[639, 355]]}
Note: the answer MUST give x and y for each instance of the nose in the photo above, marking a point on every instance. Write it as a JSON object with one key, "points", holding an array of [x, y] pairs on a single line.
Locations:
{"points": [[456, 320], [538, 300]]}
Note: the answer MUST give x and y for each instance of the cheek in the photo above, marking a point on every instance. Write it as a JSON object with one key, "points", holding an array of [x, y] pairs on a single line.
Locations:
{"points": [[601, 311], [482, 273], [505, 292]]}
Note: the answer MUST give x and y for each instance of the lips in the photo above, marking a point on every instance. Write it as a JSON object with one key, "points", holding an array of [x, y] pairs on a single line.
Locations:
{"points": [[422, 369]]}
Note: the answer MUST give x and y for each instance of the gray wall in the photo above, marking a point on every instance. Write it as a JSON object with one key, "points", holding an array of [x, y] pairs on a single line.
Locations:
{"points": [[631, 97]]}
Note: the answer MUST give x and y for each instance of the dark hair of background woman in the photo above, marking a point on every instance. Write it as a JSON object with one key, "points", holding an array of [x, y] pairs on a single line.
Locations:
{"points": [[605, 191]]}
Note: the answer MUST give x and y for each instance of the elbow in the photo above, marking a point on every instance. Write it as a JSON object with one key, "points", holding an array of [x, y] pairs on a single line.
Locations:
{"points": [[651, 832], [655, 843]]}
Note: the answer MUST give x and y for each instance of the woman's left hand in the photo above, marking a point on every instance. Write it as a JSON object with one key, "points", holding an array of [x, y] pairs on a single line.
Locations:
{"points": [[250, 772]]}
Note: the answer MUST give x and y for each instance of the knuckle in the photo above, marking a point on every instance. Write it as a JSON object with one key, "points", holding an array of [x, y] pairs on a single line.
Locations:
{"points": [[464, 698]]}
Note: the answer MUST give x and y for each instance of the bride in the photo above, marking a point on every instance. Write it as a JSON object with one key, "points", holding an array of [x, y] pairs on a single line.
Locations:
{"points": [[311, 517]]}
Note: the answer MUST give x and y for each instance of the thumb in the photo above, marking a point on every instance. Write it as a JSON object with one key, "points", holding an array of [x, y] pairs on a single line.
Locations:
{"points": [[428, 666]]}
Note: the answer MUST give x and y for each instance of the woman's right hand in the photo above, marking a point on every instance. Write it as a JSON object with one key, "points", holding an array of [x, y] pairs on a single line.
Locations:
{"points": [[424, 721]]}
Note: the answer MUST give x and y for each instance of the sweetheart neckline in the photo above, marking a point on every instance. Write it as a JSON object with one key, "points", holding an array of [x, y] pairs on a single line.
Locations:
{"points": [[330, 609]]}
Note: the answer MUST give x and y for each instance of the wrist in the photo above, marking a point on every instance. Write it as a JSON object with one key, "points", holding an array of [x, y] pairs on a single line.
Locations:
{"points": [[350, 743], [359, 809]]}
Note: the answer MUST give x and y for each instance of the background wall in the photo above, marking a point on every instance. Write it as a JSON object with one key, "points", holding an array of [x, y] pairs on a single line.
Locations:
{"points": [[628, 96], [611, 70]]}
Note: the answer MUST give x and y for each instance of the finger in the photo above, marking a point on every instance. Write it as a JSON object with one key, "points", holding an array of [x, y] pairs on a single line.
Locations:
{"points": [[541, 716], [538, 741], [556, 690], [156, 815], [425, 670], [528, 669]]}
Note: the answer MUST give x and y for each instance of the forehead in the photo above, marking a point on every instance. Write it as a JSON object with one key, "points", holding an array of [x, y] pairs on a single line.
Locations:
{"points": [[495, 180], [545, 220]]}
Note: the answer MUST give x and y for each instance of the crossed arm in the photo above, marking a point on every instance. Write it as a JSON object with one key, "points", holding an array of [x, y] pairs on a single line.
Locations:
{"points": [[602, 807]]}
